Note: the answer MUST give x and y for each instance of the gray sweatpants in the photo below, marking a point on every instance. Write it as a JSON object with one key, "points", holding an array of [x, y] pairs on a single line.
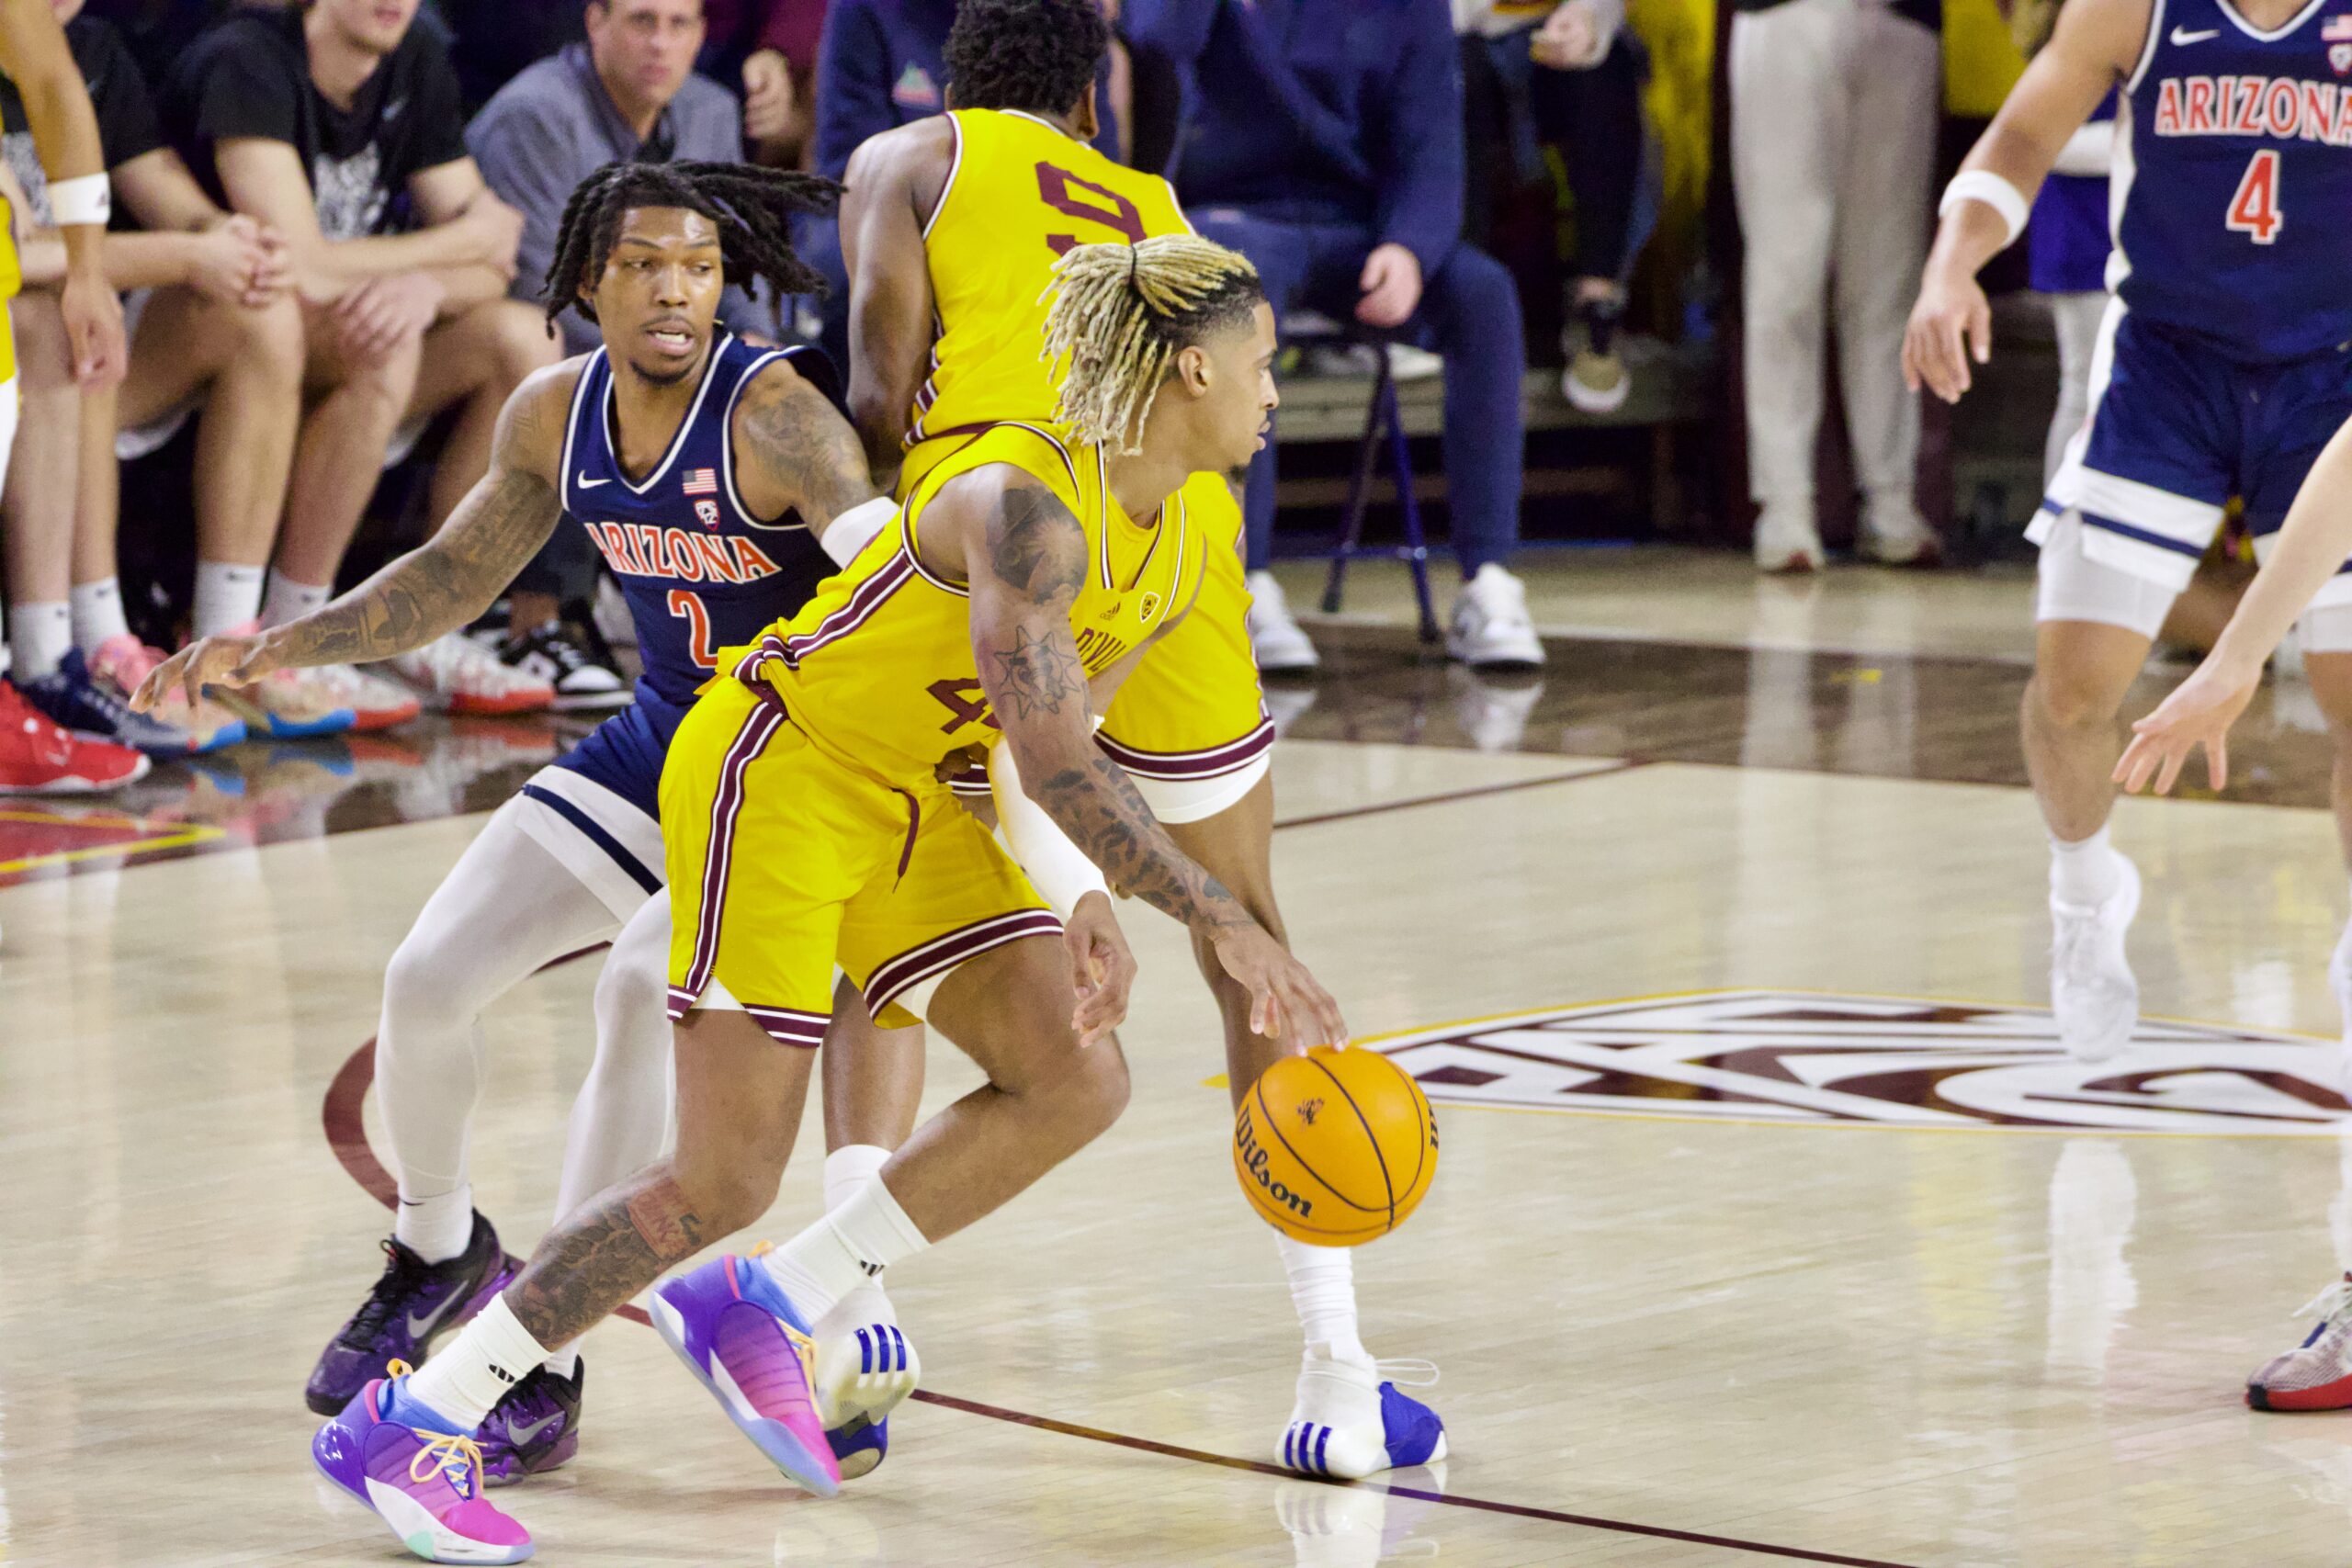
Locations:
{"points": [[1834, 107]]}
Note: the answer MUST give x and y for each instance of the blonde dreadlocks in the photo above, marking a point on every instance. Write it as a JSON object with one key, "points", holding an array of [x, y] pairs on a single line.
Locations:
{"points": [[1122, 313]]}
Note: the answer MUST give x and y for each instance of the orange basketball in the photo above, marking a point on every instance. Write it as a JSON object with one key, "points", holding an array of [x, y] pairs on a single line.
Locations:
{"points": [[1335, 1147]]}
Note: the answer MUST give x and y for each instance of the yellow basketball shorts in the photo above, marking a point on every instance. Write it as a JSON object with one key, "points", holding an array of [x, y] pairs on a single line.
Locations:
{"points": [[1190, 725], [784, 864]]}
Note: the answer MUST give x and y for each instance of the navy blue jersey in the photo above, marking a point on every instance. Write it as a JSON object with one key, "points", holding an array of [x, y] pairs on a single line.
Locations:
{"points": [[2233, 180], [700, 572]]}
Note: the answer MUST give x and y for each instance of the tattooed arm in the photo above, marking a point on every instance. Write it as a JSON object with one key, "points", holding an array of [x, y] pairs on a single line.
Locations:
{"points": [[1024, 557], [431, 590], [794, 450]]}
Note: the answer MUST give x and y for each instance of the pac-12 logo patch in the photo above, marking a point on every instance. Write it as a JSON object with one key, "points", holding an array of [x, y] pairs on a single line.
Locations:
{"points": [[707, 512], [1809, 1059]]}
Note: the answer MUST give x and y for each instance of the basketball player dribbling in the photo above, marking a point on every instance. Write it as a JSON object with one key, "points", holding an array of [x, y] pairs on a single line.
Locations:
{"points": [[805, 825], [704, 468], [2224, 364], [950, 228]]}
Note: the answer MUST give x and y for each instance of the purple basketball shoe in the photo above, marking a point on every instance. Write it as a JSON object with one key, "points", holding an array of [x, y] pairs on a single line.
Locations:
{"points": [[413, 1303], [1352, 1421], [739, 1334], [397, 1457], [536, 1428]]}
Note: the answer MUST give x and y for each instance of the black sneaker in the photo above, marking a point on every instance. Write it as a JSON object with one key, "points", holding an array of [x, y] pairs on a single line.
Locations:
{"points": [[549, 653], [536, 1428], [414, 1302]]}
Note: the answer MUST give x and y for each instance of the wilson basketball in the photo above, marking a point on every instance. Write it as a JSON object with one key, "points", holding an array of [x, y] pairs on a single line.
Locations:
{"points": [[1335, 1147]]}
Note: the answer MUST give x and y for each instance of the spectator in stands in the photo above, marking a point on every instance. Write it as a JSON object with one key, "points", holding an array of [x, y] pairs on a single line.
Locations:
{"points": [[882, 65], [1325, 143], [1567, 75], [771, 47], [338, 124], [212, 326], [1834, 108], [629, 92]]}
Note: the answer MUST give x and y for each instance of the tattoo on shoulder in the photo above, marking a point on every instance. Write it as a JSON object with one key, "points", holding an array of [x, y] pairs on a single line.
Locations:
{"points": [[794, 435], [1037, 546]]}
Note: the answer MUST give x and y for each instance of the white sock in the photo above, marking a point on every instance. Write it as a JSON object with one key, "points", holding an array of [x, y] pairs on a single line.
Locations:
{"points": [[227, 596], [847, 1171], [844, 1249], [564, 1364], [2084, 873], [1323, 1289], [288, 600], [436, 1226], [39, 637], [97, 614], [489, 1356]]}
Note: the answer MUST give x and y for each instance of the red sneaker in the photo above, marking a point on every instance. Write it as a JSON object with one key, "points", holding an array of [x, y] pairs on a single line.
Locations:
{"points": [[38, 758]]}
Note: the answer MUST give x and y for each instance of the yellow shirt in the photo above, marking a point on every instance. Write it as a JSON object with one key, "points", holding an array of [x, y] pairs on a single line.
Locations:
{"points": [[878, 670], [12, 279], [1019, 194]]}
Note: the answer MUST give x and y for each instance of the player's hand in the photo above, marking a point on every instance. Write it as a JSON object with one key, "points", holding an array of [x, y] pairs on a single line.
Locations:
{"points": [[1286, 1003], [2198, 713], [208, 662], [1567, 40], [94, 327], [383, 311], [1951, 324], [767, 97], [1101, 966], [1391, 285]]}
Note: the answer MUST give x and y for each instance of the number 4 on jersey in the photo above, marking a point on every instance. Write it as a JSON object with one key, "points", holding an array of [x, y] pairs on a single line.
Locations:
{"points": [[2253, 210]]}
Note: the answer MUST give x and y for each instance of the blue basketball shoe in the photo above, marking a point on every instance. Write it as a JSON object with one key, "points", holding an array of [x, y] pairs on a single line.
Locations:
{"points": [[1352, 1421], [423, 1480], [741, 1335]]}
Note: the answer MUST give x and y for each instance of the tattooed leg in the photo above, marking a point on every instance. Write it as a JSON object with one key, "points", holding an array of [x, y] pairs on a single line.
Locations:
{"points": [[739, 1097]]}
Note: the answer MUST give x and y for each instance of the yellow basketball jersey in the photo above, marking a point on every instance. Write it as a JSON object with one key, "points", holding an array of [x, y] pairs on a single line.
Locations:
{"points": [[878, 668], [1019, 195], [11, 281]]}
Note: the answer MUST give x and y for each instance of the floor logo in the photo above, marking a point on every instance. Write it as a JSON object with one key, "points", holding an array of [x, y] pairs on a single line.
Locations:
{"points": [[1803, 1058]]}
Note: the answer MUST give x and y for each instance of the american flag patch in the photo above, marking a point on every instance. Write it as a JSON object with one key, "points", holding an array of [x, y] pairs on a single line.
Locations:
{"points": [[2335, 27], [700, 481]]}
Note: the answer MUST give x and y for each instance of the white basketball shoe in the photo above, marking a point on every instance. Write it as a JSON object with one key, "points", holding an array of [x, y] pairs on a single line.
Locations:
{"points": [[1351, 1421], [865, 1369], [2093, 996]]}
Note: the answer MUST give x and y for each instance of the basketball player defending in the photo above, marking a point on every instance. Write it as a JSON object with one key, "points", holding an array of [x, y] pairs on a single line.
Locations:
{"points": [[2317, 1373], [950, 228], [700, 466], [2223, 366], [806, 827]]}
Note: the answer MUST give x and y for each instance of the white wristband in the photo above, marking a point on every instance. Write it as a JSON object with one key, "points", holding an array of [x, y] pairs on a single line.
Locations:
{"points": [[88, 198], [1056, 867], [1984, 185], [854, 529]]}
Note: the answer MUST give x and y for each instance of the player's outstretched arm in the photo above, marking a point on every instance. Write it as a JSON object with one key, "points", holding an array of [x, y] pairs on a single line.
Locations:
{"points": [[894, 182], [2312, 547], [795, 451], [2096, 43], [1024, 557], [432, 590], [33, 54]]}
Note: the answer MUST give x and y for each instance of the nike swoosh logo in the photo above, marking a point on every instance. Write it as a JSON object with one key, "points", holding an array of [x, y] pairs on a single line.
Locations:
{"points": [[419, 1327], [585, 482], [523, 1434], [2182, 35]]}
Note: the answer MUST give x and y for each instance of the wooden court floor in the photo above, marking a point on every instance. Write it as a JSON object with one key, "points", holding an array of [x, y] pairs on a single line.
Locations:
{"points": [[1770, 1226]]}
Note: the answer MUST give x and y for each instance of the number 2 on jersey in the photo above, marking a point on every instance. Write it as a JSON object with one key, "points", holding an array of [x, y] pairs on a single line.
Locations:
{"points": [[2253, 210], [1060, 189], [690, 605]]}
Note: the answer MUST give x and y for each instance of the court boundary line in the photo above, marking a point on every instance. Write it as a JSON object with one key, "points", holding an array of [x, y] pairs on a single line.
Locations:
{"points": [[346, 1135]]}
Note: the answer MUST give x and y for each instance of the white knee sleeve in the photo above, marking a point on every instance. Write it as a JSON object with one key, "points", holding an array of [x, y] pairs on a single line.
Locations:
{"points": [[2070, 586], [622, 1117]]}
